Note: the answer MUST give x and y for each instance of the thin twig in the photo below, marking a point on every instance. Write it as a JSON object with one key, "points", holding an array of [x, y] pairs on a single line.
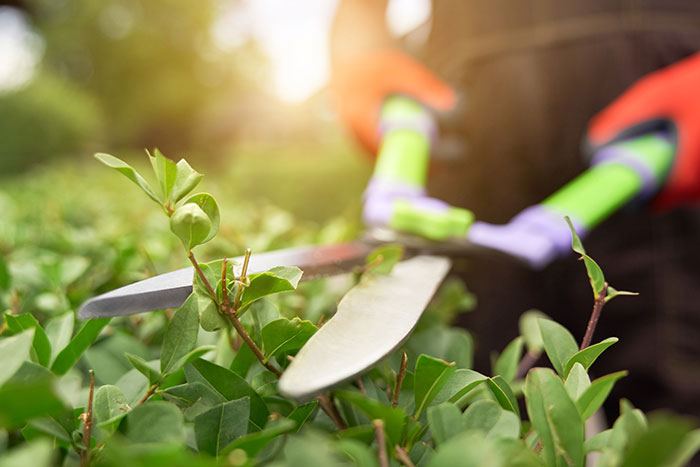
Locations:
{"points": [[330, 409], [595, 315], [149, 393], [526, 363], [399, 380], [87, 424], [251, 344], [242, 280], [231, 313], [224, 284], [201, 275], [321, 320], [361, 386], [381, 442], [402, 455], [15, 303]]}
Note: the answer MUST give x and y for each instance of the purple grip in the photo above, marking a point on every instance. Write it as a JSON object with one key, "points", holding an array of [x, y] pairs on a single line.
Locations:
{"points": [[381, 195], [536, 235]]}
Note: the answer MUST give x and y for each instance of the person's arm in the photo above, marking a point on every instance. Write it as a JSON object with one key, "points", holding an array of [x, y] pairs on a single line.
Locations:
{"points": [[644, 146], [385, 97], [358, 26], [367, 67]]}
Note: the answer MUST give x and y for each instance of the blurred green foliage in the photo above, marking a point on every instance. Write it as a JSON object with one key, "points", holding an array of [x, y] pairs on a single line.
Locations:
{"points": [[167, 385], [51, 116], [127, 73], [70, 229]]}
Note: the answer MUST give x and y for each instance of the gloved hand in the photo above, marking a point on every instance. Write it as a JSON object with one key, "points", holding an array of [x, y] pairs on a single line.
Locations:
{"points": [[361, 82], [668, 99], [396, 196]]}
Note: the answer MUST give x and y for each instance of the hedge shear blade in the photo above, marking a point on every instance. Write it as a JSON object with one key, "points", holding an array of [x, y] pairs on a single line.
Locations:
{"points": [[373, 319], [170, 290]]}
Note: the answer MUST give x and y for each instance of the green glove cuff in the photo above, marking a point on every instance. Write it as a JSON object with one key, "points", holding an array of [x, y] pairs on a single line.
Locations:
{"points": [[406, 128]]}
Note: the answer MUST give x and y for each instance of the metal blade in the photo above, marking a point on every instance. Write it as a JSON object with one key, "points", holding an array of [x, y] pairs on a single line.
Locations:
{"points": [[171, 289], [373, 319]]}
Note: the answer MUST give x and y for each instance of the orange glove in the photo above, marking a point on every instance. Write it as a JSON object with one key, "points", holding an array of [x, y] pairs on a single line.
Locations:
{"points": [[668, 99], [360, 84]]}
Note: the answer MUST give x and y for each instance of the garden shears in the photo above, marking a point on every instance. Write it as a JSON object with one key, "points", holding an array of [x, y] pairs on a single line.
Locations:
{"points": [[376, 317]]}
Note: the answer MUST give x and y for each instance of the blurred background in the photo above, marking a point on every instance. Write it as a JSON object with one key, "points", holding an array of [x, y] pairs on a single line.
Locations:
{"points": [[236, 85]]}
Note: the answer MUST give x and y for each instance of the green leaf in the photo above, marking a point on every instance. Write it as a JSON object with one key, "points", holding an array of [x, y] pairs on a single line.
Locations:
{"points": [[186, 180], [155, 422], [144, 368], [554, 417], [587, 356], [393, 417], [301, 413], [193, 398], [359, 453], [128, 172], [37, 453], [492, 420], [253, 443], [472, 449], [383, 258], [503, 394], [14, 409], [265, 384], [612, 293], [5, 278], [687, 450], [75, 348], [133, 384], [210, 318], [593, 397], [191, 225], [192, 355], [14, 351], [263, 313], [462, 382], [275, 280], [530, 330], [430, 376], [165, 171], [445, 421], [244, 359], [559, 344], [212, 272], [595, 274], [59, 331], [60, 427], [40, 344], [577, 381], [507, 363], [180, 336], [363, 433], [229, 385], [627, 429], [208, 205], [285, 336], [107, 357], [447, 343], [597, 442], [217, 427], [110, 407], [660, 444]]}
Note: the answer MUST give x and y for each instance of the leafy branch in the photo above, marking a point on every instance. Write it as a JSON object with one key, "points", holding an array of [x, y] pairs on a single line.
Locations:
{"points": [[602, 292]]}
